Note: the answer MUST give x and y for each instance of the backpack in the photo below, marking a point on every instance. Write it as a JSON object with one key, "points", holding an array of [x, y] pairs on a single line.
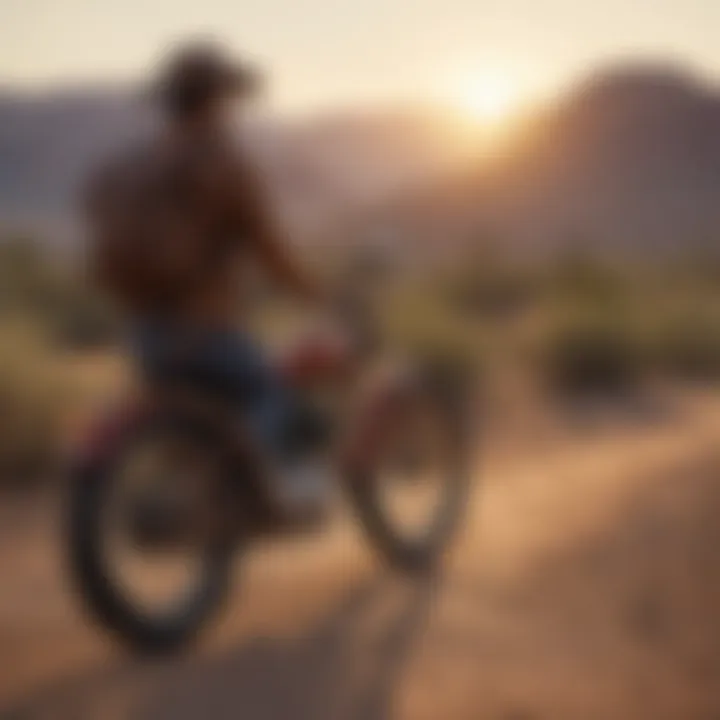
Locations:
{"points": [[151, 236]]}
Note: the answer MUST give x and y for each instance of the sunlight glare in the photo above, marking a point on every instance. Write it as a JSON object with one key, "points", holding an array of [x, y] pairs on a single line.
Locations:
{"points": [[487, 98]]}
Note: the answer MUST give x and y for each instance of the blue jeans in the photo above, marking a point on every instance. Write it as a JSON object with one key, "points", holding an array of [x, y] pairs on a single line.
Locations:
{"points": [[221, 364]]}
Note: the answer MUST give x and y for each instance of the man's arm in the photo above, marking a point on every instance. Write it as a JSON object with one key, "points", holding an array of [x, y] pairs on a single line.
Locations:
{"points": [[255, 218]]}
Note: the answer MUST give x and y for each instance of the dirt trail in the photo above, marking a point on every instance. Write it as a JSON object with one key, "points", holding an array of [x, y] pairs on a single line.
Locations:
{"points": [[586, 586]]}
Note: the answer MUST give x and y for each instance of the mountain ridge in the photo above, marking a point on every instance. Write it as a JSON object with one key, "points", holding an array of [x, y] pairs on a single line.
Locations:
{"points": [[627, 160]]}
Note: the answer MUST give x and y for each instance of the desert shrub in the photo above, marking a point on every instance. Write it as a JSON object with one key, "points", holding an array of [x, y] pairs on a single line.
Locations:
{"points": [[589, 353], [418, 322], [686, 344], [51, 294], [28, 282], [489, 290], [584, 279], [82, 320], [33, 396]]}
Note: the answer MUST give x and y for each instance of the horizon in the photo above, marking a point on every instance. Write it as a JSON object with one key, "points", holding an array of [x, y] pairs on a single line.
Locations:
{"points": [[442, 109]]}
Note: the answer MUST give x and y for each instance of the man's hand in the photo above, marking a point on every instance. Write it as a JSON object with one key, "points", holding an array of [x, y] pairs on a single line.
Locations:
{"points": [[256, 222]]}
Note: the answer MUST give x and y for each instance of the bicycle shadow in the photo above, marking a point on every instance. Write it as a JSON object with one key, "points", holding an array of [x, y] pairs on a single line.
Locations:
{"points": [[348, 666]]}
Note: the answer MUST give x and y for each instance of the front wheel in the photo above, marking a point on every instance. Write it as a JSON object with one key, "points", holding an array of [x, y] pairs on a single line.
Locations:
{"points": [[411, 498], [149, 544]]}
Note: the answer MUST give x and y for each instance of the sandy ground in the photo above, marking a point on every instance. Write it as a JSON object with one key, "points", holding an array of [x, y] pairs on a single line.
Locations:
{"points": [[585, 586]]}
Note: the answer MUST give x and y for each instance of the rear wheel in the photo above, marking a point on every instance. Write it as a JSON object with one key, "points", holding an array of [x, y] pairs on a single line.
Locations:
{"points": [[151, 545], [411, 500]]}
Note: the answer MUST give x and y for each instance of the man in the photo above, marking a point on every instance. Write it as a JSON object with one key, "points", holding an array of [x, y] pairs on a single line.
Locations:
{"points": [[175, 222]]}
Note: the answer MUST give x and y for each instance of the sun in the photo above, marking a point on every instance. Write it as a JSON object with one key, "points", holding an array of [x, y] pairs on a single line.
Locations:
{"points": [[489, 99]]}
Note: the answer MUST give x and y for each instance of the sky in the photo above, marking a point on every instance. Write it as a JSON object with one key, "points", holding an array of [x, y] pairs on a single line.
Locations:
{"points": [[321, 53]]}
